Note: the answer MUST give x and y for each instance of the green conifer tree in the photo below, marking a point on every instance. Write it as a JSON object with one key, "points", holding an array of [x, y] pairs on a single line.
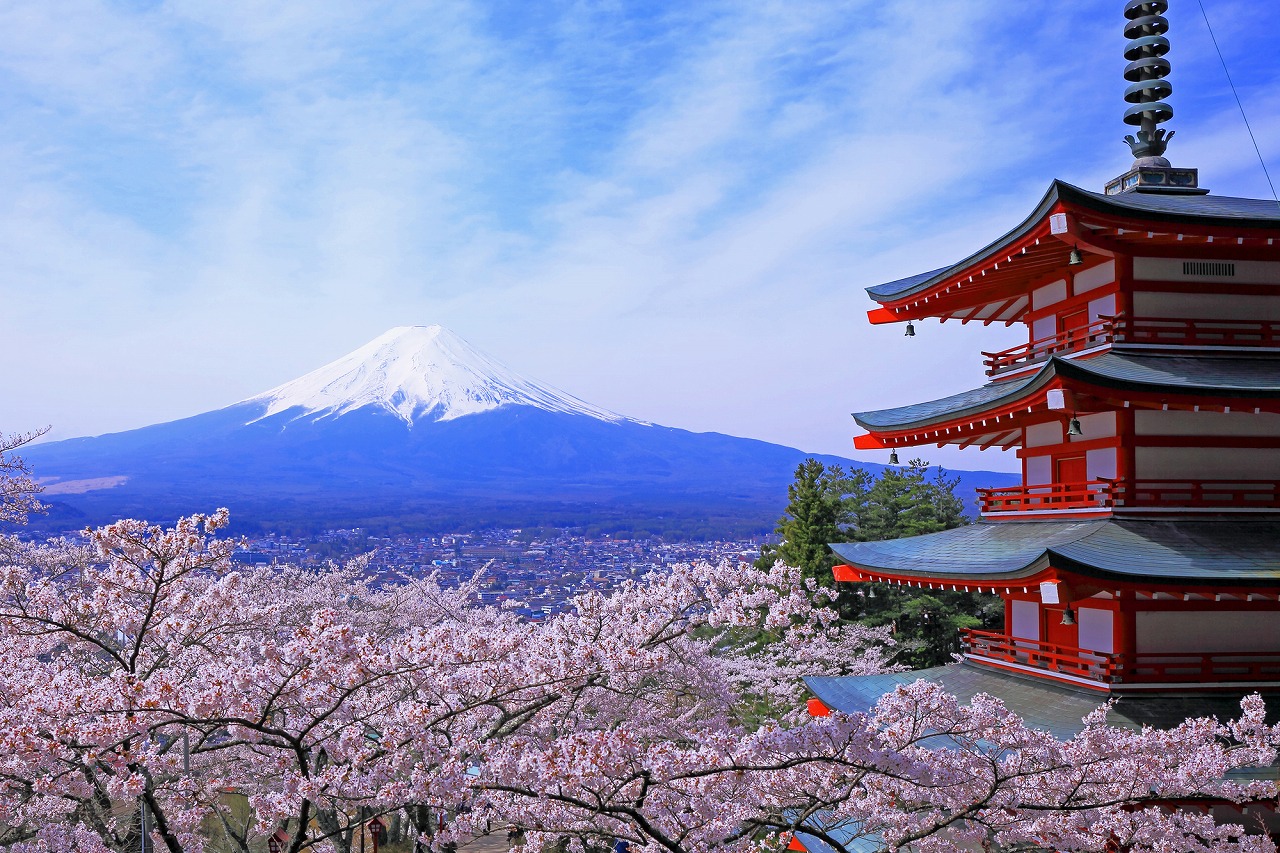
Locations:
{"points": [[817, 513], [828, 504]]}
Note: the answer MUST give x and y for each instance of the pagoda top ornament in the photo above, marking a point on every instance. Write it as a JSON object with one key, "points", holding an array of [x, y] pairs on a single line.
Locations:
{"points": [[1146, 28]]}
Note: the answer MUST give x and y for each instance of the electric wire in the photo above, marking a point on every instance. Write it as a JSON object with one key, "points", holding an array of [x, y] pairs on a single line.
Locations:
{"points": [[1239, 103]]}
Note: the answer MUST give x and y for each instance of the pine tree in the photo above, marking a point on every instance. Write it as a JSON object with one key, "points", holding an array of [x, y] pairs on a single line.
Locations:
{"points": [[828, 504], [902, 502], [818, 512]]}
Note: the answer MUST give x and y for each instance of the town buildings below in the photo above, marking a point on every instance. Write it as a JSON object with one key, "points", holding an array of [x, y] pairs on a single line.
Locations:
{"points": [[534, 571]]}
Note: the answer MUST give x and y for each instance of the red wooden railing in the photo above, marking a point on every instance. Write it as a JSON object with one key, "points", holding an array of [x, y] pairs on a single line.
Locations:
{"points": [[1222, 666], [1181, 332], [1107, 668], [1104, 493], [1068, 660], [1068, 340], [1168, 331], [1088, 495], [1199, 494]]}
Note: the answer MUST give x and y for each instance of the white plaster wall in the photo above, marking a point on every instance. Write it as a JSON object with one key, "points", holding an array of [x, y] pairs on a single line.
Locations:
{"points": [[1224, 631], [1039, 470], [1196, 463], [1147, 422], [1101, 463], [1170, 269], [1041, 435], [1026, 619], [1045, 327], [1103, 306], [1094, 277], [1097, 629], [1098, 425], [1050, 294], [1206, 306]]}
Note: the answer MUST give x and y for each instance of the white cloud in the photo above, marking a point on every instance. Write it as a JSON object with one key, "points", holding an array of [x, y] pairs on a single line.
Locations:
{"points": [[670, 214]]}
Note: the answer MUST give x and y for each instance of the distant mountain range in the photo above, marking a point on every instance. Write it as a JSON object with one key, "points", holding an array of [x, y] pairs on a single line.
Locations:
{"points": [[417, 430]]}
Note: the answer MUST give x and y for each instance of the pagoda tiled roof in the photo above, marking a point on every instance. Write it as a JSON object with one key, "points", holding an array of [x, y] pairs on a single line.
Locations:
{"points": [[848, 832], [1201, 551], [1252, 376], [1208, 210], [1051, 707], [972, 402], [1218, 377], [1046, 705], [1263, 211]]}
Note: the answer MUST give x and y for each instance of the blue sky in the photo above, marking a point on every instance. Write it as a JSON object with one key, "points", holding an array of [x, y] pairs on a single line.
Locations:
{"points": [[669, 210]]}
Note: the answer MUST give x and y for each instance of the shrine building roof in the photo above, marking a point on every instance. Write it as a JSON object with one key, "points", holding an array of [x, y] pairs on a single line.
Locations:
{"points": [[1053, 707], [1183, 552], [1048, 706], [1140, 374], [993, 284]]}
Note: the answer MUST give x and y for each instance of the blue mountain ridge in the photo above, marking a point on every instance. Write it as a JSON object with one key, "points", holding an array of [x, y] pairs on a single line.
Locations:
{"points": [[513, 466]]}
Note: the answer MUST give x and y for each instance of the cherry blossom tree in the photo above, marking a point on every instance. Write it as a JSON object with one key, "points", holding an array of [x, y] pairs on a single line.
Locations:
{"points": [[17, 490], [920, 770], [144, 676]]}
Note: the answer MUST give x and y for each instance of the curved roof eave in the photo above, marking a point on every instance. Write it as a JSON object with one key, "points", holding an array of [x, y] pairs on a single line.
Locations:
{"points": [[1209, 210], [1245, 552], [1050, 706], [1175, 374], [914, 284], [971, 402], [981, 551], [1139, 373]]}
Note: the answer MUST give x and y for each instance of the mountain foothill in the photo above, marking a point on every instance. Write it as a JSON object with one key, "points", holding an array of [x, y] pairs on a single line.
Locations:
{"points": [[417, 430]]}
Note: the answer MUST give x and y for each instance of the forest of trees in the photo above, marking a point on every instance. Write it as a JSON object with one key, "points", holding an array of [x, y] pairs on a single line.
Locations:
{"points": [[827, 504]]}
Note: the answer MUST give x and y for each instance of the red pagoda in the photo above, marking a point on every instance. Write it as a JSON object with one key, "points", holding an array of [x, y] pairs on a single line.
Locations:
{"points": [[1139, 560]]}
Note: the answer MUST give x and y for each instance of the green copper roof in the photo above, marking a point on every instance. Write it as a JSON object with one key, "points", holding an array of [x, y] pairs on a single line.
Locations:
{"points": [[1042, 704], [975, 402], [1206, 210], [850, 836], [1254, 376], [1057, 709], [1192, 552], [1162, 374]]}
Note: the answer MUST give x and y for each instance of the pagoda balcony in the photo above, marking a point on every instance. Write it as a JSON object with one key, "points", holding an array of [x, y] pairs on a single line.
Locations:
{"points": [[1107, 495], [1102, 667], [1106, 668], [1147, 331], [1079, 338], [1164, 331], [1196, 494], [1093, 494]]}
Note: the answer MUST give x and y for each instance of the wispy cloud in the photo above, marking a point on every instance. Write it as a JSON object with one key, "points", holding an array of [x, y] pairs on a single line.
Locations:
{"points": [[670, 212]]}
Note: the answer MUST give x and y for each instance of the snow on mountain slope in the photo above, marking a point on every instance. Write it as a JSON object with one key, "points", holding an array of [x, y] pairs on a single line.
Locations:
{"points": [[416, 373]]}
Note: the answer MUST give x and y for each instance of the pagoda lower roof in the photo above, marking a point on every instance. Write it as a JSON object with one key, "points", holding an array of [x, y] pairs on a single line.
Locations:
{"points": [[1226, 377], [1184, 552], [1046, 705], [1208, 211]]}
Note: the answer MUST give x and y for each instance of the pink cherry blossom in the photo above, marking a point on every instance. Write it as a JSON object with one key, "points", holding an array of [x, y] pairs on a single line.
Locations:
{"points": [[141, 670]]}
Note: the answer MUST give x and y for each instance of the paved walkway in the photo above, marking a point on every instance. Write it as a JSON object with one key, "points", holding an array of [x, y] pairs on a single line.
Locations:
{"points": [[495, 842]]}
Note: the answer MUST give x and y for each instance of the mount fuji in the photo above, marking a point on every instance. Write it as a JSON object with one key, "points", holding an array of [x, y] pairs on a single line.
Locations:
{"points": [[417, 430], [417, 373]]}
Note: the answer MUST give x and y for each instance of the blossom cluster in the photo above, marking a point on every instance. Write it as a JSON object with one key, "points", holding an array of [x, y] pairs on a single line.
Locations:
{"points": [[143, 673]]}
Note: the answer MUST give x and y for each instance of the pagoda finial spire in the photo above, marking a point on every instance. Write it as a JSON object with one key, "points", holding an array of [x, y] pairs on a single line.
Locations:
{"points": [[1145, 28]]}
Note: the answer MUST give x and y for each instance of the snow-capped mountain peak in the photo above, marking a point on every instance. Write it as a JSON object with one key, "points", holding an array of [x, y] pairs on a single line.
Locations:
{"points": [[416, 373]]}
